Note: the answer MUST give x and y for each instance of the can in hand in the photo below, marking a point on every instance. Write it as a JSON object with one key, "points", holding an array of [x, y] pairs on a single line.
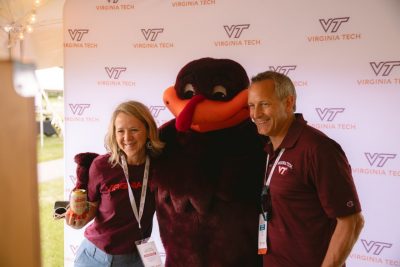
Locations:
{"points": [[78, 201]]}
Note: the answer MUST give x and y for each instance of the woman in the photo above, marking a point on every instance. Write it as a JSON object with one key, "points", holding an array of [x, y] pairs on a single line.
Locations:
{"points": [[121, 218]]}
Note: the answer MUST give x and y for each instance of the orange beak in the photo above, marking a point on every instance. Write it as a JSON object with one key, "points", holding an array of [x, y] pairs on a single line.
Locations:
{"points": [[208, 115]]}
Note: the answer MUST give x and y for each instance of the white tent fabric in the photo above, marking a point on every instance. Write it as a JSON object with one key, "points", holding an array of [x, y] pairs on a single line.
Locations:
{"points": [[44, 45]]}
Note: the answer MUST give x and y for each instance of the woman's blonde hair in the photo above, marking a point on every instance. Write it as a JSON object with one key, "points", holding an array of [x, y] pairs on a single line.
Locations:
{"points": [[154, 145]]}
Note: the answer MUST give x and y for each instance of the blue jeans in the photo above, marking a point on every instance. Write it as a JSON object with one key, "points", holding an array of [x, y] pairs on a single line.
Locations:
{"points": [[88, 255]]}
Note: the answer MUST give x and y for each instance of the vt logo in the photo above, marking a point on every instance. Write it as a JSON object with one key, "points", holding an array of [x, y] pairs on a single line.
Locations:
{"points": [[77, 34], [384, 68], [328, 114], [151, 34], [114, 72], [73, 179], [333, 24], [78, 109], [74, 249], [283, 69], [155, 110], [282, 170], [374, 246], [235, 31], [113, 1], [378, 159]]}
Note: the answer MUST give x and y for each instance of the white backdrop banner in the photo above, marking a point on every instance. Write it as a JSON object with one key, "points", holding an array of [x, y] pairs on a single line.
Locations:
{"points": [[343, 57]]}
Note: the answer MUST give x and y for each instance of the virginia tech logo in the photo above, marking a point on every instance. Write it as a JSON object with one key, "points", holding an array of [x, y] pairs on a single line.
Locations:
{"points": [[151, 34], [328, 114], [283, 69], [114, 72], [235, 31], [155, 110], [375, 247], [378, 159], [77, 34], [374, 254], [77, 37], [193, 3], [384, 68], [112, 5], [114, 75], [282, 170], [332, 25], [78, 109]]}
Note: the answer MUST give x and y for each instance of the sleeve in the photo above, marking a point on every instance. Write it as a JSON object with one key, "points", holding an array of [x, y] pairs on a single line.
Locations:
{"points": [[333, 180]]}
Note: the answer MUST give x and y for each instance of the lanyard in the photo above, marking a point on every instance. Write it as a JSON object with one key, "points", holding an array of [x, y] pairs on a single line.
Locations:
{"points": [[268, 181], [138, 215]]}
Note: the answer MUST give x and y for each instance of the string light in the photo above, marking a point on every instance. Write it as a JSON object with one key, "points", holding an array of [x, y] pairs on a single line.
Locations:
{"points": [[18, 27]]}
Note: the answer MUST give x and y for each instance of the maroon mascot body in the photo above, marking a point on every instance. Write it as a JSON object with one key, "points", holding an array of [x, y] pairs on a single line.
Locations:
{"points": [[209, 177]]}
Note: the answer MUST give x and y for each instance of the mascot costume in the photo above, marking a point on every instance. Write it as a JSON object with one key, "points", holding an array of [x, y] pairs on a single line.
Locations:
{"points": [[208, 180]]}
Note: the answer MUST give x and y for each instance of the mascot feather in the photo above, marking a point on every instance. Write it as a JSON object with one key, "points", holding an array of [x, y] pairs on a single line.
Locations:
{"points": [[209, 178]]}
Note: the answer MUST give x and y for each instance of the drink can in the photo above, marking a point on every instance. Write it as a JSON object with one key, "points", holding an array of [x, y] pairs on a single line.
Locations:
{"points": [[78, 201]]}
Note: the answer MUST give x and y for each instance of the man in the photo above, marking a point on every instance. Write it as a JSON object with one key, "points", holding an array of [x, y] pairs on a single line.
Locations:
{"points": [[314, 214]]}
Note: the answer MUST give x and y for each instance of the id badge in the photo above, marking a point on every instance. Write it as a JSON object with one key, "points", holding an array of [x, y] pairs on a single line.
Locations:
{"points": [[262, 234], [148, 253]]}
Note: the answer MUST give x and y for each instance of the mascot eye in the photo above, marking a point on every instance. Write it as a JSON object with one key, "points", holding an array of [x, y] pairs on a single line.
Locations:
{"points": [[188, 91], [219, 93]]}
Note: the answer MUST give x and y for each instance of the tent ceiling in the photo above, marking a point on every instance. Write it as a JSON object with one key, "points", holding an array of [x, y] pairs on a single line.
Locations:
{"points": [[44, 46]]}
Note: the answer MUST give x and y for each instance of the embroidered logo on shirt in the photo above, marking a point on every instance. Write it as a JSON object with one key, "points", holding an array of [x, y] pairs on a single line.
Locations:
{"points": [[284, 167]]}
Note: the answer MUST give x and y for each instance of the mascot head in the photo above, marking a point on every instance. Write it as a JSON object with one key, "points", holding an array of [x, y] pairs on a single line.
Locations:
{"points": [[209, 94]]}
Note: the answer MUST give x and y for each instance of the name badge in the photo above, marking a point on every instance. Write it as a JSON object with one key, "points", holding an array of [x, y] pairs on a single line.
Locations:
{"points": [[262, 234], [148, 253]]}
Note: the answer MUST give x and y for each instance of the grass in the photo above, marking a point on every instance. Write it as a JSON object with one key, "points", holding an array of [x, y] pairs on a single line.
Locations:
{"points": [[52, 148], [51, 231]]}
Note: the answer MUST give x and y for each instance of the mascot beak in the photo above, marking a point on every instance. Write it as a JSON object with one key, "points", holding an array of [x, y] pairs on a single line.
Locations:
{"points": [[184, 120]]}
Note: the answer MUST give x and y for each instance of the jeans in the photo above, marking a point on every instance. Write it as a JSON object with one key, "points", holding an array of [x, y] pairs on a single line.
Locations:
{"points": [[88, 255]]}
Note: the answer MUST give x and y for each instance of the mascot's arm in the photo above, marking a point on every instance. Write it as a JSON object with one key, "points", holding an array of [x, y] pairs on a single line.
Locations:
{"points": [[83, 161]]}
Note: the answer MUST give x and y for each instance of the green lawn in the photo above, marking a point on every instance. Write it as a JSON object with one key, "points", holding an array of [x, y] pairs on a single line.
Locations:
{"points": [[51, 231], [52, 148]]}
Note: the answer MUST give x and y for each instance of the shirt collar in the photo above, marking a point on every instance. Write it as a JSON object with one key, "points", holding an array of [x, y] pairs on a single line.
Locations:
{"points": [[292, 135]]}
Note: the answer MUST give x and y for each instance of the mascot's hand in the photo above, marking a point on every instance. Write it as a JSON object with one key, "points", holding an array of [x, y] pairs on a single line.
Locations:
{"points": [[83, 161]]}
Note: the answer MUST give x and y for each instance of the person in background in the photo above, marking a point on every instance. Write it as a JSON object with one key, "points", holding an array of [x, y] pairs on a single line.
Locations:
{"points": [[309, 201], [132, 142]]}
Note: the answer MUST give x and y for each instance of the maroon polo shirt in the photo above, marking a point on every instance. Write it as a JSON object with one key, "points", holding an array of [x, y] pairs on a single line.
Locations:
{"points": [[311, 186], [115, 229]]}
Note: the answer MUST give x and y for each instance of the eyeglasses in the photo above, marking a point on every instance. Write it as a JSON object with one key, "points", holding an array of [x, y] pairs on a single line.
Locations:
{"points": [[266, 205], [60, 208]]}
